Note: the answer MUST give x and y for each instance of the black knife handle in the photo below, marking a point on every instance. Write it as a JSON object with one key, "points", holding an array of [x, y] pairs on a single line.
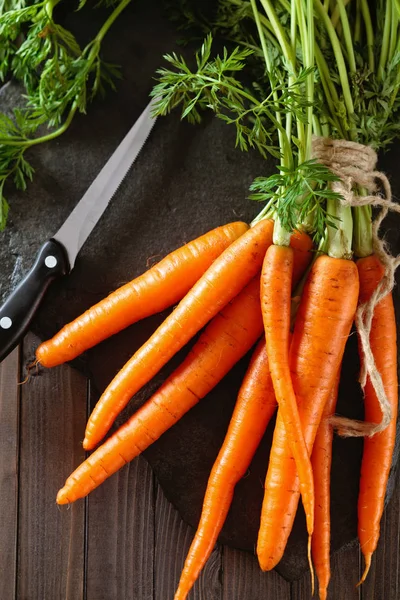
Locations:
{"points": [[18, 310]]}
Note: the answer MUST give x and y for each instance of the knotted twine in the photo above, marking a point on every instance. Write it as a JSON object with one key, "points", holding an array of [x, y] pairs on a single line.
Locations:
{"points": [[355, 165]]}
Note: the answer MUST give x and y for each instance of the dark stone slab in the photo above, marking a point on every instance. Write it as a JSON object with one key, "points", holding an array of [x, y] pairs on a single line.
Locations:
{"points": [[186, 181]]}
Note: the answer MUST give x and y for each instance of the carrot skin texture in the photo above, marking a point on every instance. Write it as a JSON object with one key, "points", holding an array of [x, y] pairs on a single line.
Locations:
{"points": [[322, 325], [253, 410], [378, 449], [225, 340], [321, 460], [302, 246], [242, 259], [162, 286], [276, 284]]}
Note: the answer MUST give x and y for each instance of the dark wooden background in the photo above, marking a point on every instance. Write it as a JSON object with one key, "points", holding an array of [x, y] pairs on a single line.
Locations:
{"points": [[124, 542]]}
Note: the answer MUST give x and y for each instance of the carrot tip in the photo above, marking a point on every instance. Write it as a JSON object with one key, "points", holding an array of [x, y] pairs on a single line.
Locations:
{"points": [[311, 565], [86, 444], [367, 558], [323, 593], [179, 595], [263, 562], [62, 497]]}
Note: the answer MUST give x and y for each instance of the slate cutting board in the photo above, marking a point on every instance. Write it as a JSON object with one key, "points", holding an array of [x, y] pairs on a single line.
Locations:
{"points": [[186, 181]]}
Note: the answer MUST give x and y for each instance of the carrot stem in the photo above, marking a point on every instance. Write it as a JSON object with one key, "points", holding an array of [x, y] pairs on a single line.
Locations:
{"points": [[340, 236], [362, 235]]}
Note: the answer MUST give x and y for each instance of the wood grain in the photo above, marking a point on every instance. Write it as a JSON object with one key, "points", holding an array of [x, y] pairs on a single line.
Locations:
{"points": [[136, 542], [345, 569], [50, 539], [9, 429], [243, 579], [172, 541], [301, 589], [345, 566], [120, 533], [383, 582]]}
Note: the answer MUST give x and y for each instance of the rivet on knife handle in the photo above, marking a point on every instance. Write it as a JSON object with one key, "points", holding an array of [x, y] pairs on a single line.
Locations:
{"points": [[17, 312]]}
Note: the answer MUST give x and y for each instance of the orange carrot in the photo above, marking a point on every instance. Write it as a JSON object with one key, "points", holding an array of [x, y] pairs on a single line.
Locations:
{"points": [[158, 288], [302, 245], [276, 284], [323, 323], [378, 449], [224, 341], [226, 277], [254, 408], [321, 460]]}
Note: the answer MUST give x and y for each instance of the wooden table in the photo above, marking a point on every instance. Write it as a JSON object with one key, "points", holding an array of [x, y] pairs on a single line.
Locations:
{"points": [[124, 542]]}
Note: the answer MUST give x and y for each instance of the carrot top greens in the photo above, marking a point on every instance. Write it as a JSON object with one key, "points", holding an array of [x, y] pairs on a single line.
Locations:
{"points": [[59, 77], [331, 69]]}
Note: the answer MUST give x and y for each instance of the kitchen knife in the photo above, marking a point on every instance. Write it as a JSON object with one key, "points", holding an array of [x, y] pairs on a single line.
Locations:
{"points": [[57, 256]]}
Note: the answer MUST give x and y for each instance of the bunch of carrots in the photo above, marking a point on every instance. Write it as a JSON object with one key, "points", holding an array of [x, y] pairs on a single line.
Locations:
{"points": [[286, 285]]}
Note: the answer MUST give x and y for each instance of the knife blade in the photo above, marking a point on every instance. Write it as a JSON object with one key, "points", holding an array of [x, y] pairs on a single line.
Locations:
{"points": [[56, 257]]}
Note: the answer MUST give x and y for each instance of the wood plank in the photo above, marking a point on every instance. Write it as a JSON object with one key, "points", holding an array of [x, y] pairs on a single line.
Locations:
{"points": [[51, 539], [9, 432], [243, 579], [172, 541], [383, 582], [120, 533]]}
